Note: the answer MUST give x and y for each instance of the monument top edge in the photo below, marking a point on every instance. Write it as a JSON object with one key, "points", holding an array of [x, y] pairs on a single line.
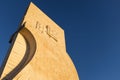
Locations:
{"points": [[34, 13]]}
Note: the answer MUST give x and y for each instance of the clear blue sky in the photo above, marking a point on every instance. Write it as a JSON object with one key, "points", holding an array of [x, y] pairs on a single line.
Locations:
{"points": [[92, 29]]}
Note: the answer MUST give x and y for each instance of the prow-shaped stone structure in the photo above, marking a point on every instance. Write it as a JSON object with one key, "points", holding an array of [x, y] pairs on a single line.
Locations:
{"points": [[38, 51]]}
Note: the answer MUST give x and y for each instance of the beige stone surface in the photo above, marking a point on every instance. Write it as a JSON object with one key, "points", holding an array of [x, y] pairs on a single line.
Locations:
{"points": [[38, 51]]}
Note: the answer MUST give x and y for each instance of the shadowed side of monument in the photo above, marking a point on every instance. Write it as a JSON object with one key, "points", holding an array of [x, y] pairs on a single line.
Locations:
{"points": [[38, 51]]}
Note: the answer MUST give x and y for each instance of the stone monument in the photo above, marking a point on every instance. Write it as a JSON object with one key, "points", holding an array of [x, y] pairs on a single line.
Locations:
{"points": [[38, 51]]}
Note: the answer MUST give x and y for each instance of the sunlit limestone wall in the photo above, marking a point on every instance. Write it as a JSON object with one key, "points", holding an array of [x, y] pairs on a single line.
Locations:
{"points": [[44, 55], [16, 54]]}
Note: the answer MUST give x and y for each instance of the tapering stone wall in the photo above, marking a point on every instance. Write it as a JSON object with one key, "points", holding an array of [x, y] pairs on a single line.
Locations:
{"points": [[38, 51]]}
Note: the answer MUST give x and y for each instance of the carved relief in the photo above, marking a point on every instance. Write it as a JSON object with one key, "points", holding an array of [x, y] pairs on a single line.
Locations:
{"points": [[39, 27], [51, 33], [47, 29]]}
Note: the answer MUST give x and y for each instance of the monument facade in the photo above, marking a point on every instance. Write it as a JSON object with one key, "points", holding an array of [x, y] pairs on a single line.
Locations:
{"points": [[38, 51]]}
